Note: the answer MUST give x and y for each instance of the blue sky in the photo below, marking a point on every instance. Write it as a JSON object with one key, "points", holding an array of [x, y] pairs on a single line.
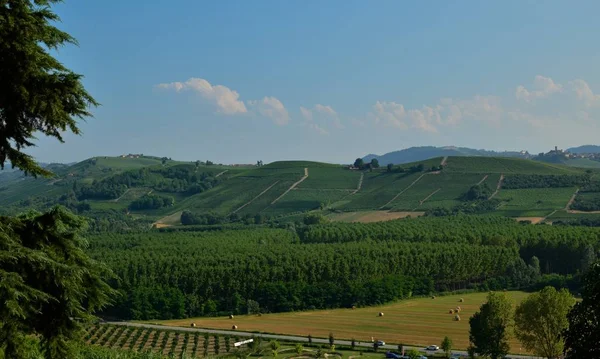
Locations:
{"points": [[239, 81]]}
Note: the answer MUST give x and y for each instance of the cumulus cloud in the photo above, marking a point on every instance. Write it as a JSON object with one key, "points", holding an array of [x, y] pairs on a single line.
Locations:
{"points": [[306, 113], [321, 113], [328, 110], [226, 100], [584, 93], [447, 112], [543, 87], [318, 129], [272, 108]]}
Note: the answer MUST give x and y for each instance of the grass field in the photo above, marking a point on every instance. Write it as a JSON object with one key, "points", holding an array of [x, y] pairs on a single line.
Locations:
{"points": [[421, 321], [505, 165], [533, 202]]}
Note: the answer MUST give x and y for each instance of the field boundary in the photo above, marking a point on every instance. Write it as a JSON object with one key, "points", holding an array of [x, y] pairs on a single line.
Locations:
{"points": [[428, 197], [404, 190], [571, 200], [121, 196], [252, 200], [498, 187], [360, 182], [292, 186], [444, 161], [482, 180], [220, 173]]}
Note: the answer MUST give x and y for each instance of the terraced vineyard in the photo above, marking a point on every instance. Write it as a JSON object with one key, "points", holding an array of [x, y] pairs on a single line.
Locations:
{"points": [[172, 343]]}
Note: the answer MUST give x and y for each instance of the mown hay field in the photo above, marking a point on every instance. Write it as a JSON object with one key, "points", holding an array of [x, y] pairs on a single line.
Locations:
{"points": [[421, 321]]}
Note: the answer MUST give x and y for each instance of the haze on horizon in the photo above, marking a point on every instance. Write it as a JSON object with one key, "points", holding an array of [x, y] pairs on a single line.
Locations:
{"points": [[241, 81]]}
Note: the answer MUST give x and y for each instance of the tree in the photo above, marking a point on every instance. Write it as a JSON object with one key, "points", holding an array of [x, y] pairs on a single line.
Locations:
{"points": [[299, 348], [413, 354], [331, 339], [353, 344], [37, 93], [588, 257], [359, 163], [489, 327], [390, 167], [253, 307], [374, 163], [447, 346], [309, 339], [48, 284], [541, 318], [583, 335]]}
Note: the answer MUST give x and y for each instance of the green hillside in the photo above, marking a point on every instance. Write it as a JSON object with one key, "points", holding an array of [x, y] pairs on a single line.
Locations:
{"points": [[151, 188]]}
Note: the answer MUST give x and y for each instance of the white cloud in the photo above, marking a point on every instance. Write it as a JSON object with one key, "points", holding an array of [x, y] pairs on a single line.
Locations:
{"points": [[584, 93], [226, 100], [306, 113], [543, 87], [389, 114], [272, 108], [328, 110], [318, 129]]}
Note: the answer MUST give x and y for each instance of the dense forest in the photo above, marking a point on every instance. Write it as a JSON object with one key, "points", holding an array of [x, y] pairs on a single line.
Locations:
{"points": [[180, 274], [174, 179]]}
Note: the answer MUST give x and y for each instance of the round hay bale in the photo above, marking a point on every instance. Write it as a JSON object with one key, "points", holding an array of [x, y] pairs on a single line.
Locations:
{"points": [[230, 316], [451, 311], [458, 309], [433, 297], [193, 325], [457, 318], [461, 300], [381, 314], [234, 327]]}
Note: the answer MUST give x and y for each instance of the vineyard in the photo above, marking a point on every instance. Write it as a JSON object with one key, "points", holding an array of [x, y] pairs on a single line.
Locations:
{"points": [[171, 343], [287, 188]]}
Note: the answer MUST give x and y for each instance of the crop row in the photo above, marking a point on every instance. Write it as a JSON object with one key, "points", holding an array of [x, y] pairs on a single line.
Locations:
{"points": [[177, 344]]}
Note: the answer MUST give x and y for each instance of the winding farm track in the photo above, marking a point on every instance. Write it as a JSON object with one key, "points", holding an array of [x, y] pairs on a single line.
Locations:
{"points": [[220, 173], [483, 179], [571, 200], [404, 190], [117, 200], [360, 181], [498, 187], [292, 186], [428, 197], [252, 200], [444, 161]]}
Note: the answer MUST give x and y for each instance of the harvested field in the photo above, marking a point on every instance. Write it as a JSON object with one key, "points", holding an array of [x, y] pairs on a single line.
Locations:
{"points": [[419, 321]]}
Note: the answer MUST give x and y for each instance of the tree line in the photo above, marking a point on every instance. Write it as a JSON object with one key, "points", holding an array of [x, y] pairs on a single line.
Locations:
{"points": [[519, 181]]}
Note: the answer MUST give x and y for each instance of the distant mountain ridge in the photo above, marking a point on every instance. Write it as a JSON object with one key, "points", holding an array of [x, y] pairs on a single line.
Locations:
{"points": [[414, 154], [584, 149]]}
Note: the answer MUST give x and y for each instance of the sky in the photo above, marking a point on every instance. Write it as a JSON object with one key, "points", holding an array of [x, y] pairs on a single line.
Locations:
{"points": [[240, 81]]}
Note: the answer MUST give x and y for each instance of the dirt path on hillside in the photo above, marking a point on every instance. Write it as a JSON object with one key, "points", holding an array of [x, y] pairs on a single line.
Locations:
{"points": [[252, 200], [360, 181], [218, 174], [428, 197], [444, 161], [293, 185], [497, 187], [404, 190], [483, 179], [571, 200], [121, 196]]}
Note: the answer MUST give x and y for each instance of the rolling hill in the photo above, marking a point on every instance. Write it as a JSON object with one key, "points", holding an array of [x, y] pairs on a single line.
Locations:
{"points": [[584, 149], [154, 191], [415, 154]]}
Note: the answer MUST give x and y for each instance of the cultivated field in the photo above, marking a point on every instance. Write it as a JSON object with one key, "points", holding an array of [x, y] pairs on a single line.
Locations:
{"points": [[170, 343], [422, 321], [533, 202], [371, 216]]}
